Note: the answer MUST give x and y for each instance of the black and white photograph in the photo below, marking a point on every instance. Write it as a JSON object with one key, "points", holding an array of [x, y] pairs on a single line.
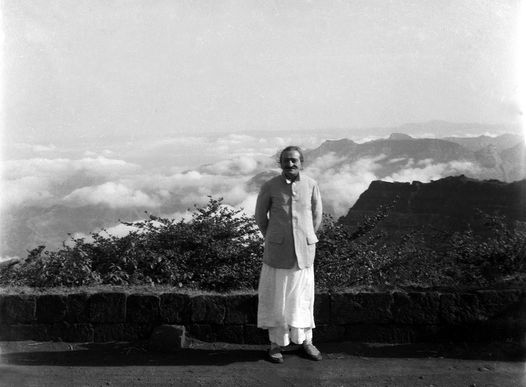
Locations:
{"points": [[263, 193]]}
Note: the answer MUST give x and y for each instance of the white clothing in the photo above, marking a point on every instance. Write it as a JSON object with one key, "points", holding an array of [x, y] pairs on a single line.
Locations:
{"points": [[286, 302], [282, 336]]}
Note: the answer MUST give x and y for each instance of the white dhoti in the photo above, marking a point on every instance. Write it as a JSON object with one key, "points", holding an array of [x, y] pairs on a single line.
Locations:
{"points": [[286, 304]]}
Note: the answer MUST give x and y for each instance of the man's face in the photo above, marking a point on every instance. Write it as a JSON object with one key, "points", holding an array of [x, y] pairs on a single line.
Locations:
{"points": [[291, 163]]}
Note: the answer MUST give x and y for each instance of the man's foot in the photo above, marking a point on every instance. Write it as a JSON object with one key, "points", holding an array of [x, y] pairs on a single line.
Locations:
{"points": [[311, 351], [274, 355]]}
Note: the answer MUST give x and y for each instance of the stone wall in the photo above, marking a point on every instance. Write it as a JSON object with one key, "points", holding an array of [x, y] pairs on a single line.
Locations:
{"points": [[388, 317]]}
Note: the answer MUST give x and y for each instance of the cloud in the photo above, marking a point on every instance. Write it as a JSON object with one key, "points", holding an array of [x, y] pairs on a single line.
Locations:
{"points": [[118, 188], [367, 139], [248, 205], [35, 148], [191, 152], [426, 171], [341, 186], [240, 165], [26, 191], [325, 162], [44, 148], [56, 169], [43, 182], [188, 192], [118, 230], [396, 160], [121, 229], [114, 195]]}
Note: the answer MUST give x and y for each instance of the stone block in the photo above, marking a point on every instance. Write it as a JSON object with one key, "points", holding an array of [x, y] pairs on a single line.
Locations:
{"points": [[2, 296], [18, 309], [483, 331], [460, 308], [5, 332], [168, 338], [208, 309], [499, 303], [51, 308], [328, 333], [144, 330], [72, 333], [174, 308], [255, 335], [348, 308], [240, 308], [522, 308], [466, 332], [503, 330], [416, 307], [322, 308], [203, 332], [141, 308], [77, 308], [107, 308], [121, 332], [230, 333], [387, 333], [17, 332]]}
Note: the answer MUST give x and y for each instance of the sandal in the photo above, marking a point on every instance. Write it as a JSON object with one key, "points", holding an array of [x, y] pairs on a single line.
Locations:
{"points": [[274, 355], [312, 352]]}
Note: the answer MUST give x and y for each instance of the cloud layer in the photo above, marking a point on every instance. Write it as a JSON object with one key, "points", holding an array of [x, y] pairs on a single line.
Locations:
{"points": [[50, 197]]}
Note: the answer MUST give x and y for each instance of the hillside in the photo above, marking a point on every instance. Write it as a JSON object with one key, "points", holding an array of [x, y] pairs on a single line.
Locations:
{"points": [[449, 204]]}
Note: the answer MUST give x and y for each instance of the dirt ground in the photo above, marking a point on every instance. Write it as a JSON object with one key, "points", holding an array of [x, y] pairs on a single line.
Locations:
{"points": [[29, 363]]}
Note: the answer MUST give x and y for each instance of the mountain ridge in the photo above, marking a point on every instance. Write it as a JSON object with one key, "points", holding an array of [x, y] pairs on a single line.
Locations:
{"points": [[449, 204]]}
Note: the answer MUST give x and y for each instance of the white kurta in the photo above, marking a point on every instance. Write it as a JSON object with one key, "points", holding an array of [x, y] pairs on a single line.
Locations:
{"points": [[286, 303]]}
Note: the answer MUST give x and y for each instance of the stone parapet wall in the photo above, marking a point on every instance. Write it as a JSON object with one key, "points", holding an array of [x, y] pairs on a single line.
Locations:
{"points": [[364, 316]]}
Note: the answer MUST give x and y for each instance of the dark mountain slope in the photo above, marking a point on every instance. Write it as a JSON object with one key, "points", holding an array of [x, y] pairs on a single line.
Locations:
{"points": [[447, 204]]}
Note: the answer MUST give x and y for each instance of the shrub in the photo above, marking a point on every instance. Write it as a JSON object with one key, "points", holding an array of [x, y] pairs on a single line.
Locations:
{"points": [[66, 267], [465, 259], [491, 257], [220, 249]]}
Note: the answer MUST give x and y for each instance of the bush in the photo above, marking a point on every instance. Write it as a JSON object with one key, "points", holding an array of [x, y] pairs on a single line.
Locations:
{"points": [[217, 249], [66, 267], [347, 258], [491, 257], [220, 249]]}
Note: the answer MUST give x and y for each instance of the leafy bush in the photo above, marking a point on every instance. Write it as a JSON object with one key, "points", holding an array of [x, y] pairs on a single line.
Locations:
{"points": [[217, 249], [352, 258], [485, 259], [220, 248], [66, 267]]}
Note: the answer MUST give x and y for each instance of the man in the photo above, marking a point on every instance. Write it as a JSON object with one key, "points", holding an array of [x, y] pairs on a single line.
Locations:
{"points": [[288, 213]]}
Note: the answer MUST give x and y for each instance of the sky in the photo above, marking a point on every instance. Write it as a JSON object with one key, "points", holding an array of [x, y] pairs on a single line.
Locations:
{"points": [[128, 69], [155, 105]]}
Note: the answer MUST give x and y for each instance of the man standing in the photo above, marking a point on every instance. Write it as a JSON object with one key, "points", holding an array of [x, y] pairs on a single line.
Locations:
{"points": [[288, 213]]}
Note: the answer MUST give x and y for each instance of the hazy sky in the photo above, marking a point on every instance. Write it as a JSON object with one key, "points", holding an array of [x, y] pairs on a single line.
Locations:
{"points": [[113, 107], [122, 70]]}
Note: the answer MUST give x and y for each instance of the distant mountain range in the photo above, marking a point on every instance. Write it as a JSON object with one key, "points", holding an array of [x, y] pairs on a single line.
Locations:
{"points": [[502, 157], [496, 157]]}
